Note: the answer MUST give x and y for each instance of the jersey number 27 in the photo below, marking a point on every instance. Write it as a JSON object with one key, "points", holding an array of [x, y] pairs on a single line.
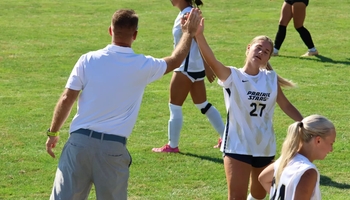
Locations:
{"points": [[255, 112]]}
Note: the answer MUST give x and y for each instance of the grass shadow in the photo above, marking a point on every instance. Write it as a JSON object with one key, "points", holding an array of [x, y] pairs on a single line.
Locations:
{"points": [[320, 58], [326, 181], [216, 160]]}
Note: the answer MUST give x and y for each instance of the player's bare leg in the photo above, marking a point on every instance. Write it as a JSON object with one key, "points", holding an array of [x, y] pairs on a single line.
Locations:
{"points": [[237, 176], [256, 189]]}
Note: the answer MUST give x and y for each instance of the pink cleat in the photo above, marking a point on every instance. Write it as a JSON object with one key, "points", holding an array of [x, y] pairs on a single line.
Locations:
{"points": [[166, 148], [219, 143]]}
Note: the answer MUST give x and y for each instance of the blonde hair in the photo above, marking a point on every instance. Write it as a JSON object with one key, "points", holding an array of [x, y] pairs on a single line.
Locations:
{"points": [[281, 81], [302, 132]]}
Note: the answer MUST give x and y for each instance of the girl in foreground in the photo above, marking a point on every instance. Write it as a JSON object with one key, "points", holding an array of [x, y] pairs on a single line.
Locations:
{"points": [[251, 94], [293, 176]]}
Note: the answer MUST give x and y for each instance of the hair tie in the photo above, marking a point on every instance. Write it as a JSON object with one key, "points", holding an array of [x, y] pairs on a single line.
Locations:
{"points": [[301, 124]]}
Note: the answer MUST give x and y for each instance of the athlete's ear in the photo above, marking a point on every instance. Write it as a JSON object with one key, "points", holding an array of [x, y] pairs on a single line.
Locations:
{"points": [[110, 30], [248, 47], [318, 139]]}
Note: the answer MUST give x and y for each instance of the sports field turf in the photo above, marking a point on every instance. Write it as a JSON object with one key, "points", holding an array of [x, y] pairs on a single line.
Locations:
{"points": [[41, 40]]}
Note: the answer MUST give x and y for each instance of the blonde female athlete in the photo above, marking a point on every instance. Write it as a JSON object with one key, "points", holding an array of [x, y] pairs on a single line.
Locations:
{"points": [[293, 176], [251, 94], [189, 78]]}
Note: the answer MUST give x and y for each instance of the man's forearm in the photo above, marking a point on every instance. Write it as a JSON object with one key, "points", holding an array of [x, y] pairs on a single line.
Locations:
{"points": [[180, 52], [63, 109]]}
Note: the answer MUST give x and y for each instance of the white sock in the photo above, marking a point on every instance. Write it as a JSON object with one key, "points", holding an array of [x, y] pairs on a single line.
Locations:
{"points": [[214, 117], [313, 49], [175, 125], [275, 50], [250, 197]]}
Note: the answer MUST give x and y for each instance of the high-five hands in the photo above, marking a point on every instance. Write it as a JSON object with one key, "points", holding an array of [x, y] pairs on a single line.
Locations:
{"points": [[191, 21]]}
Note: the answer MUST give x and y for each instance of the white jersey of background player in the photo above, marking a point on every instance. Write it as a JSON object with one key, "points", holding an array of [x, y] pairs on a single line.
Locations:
{"points": [[290, 178]]}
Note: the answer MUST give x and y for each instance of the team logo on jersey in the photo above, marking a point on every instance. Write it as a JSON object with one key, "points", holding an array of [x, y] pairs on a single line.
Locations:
{"points": [[258, 96]]}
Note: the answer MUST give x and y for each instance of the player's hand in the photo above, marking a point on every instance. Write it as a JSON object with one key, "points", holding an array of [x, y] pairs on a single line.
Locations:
{"points": [[200, 29], [190, 22], [210, 75], [51, 143]]}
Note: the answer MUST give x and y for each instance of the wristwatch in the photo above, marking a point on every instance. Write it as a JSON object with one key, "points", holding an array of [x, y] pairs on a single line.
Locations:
{"points": [[49, 133]]}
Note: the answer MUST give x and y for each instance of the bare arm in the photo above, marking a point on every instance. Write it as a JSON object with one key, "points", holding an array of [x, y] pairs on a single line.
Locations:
{"points": [[306, 185], [221, 71], [287, 107], [60, 115], [189, 29], [266, 177], [209, 73]]}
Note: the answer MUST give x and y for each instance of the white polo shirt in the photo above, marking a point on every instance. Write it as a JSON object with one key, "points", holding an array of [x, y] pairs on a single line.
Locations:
{"points": [[112, 81], [195, 61]]}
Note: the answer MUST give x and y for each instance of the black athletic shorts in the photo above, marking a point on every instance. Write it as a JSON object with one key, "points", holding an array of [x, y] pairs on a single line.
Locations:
{"points": [[293, 1], [196, 75], [256, 162]]}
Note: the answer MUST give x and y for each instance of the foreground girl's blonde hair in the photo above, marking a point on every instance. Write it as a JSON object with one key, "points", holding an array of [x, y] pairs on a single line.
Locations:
{"points": [[299, 133]]}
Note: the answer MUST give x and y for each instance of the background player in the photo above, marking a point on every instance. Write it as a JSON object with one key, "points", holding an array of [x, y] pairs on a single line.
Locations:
{"points": [[293, 176], [189, 78], [295, 9]]}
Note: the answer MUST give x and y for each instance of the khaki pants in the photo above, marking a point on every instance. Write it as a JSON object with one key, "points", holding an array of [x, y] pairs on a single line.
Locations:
{"points": [[85, 161]]}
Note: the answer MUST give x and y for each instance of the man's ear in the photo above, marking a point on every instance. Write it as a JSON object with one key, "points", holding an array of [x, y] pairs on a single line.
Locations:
{"points": [[134, 35], [110, 30]]}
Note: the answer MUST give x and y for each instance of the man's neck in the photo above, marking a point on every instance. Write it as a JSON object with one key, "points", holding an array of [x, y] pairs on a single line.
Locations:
{"points": [[121, 44]]}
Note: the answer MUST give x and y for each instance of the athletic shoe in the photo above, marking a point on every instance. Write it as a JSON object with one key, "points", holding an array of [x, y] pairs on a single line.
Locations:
{"points": [[219, 144], [166, 148], [310, 53], [274, 54]]}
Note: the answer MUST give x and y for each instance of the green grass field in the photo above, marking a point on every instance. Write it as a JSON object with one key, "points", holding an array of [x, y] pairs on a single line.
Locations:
{"points": [[40, 41]]}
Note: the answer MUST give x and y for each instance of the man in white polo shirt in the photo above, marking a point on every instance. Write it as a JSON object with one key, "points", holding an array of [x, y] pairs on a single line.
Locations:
{"points": [[112, 81]]}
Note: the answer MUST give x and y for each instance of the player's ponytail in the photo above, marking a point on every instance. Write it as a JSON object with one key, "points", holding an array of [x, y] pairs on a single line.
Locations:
{"points": [[290, 147], [195, 3], [300, 133], [198, 2]]}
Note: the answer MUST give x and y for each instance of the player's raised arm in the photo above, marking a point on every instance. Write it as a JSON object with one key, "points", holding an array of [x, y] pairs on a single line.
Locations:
{"points": [[221, 71]]}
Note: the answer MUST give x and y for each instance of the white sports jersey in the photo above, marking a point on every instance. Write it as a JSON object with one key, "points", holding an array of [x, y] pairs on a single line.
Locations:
{"points": [[250, 103], [290, 178], [193, 62], [112, 81]]}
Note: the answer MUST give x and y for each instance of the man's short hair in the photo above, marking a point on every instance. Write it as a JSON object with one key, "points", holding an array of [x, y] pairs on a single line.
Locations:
{"points": [[124, 23]]}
